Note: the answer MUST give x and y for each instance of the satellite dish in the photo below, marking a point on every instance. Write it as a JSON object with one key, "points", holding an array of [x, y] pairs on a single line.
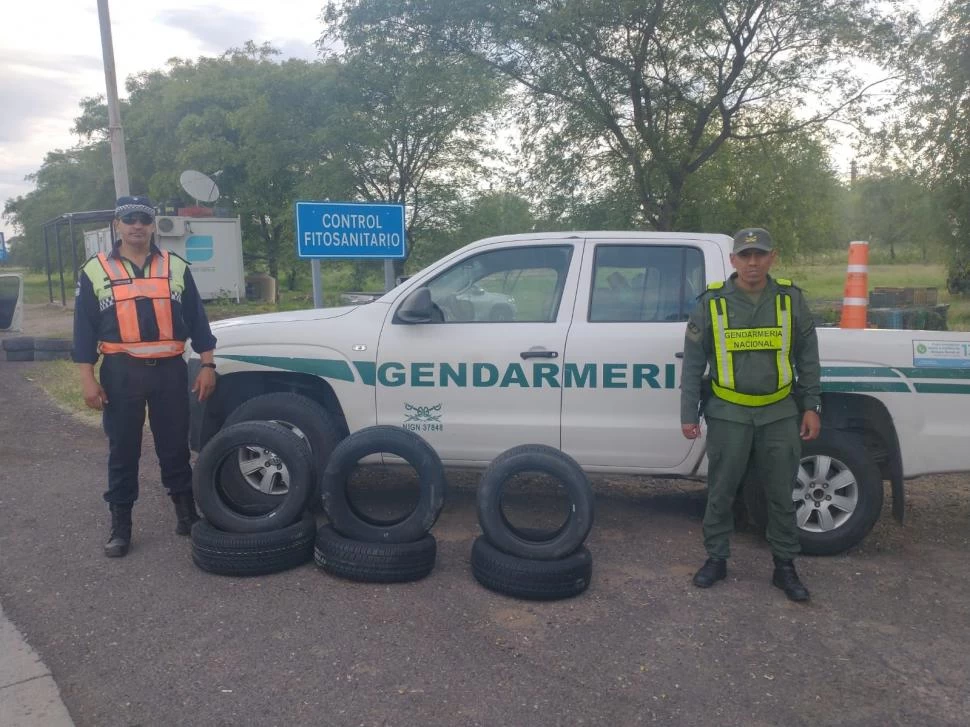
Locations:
{"points": [[201, 187]]}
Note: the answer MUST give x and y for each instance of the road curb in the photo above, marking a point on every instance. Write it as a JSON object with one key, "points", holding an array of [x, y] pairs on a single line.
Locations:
{"points": [[29, 696]]}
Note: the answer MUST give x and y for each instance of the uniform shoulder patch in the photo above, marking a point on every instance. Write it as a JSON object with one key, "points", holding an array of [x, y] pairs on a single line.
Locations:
{"points": [[785, 282], [716, 285]]}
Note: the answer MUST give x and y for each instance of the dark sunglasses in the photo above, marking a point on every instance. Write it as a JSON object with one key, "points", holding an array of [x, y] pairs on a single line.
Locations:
{"points": [[133, 217]]}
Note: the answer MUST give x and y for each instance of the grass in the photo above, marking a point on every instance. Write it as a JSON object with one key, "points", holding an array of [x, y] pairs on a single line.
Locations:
{"points": [[62, 383], [825, 283]]}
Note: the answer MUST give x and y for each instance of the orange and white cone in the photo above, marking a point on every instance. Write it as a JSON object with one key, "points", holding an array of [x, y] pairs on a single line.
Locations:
{"points": [[855, 299]]}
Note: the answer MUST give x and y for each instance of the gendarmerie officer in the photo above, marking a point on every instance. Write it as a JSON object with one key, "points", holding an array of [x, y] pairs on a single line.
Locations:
{"points": [[757, 337], [136, 307]]}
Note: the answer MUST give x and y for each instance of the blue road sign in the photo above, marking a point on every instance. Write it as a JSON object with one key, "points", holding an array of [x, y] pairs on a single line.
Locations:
{"points": [[345, 230]]}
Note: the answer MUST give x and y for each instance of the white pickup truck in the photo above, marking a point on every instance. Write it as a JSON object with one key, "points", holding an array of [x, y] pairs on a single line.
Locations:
{"points": [[583, 354]]}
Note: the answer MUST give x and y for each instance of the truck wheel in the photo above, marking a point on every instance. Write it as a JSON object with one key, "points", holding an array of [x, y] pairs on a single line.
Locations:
{"points": [[837, 493], [253, 554], [535, 580], [246, 484], [350, 523], [282, 450], [357, 560], [527, 543]]}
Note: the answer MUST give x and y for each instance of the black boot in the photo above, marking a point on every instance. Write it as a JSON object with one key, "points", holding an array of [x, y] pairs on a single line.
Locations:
{"points": [[786, 579], [713, 570], [184, 512], [120, 538]]}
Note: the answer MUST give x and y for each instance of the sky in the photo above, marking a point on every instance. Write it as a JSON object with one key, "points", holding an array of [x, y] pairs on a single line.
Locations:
{"points": [[50, 59]]}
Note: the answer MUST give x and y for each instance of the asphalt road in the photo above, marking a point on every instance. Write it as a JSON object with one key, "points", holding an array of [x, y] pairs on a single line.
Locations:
{"points": [[151, 640]]}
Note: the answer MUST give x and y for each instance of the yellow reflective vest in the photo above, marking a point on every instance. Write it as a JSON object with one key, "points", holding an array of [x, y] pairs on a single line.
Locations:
{"points": [[730, 342]]}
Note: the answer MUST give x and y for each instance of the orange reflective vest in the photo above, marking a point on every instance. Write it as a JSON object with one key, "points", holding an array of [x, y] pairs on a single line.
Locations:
{"points": [[156, 286]]}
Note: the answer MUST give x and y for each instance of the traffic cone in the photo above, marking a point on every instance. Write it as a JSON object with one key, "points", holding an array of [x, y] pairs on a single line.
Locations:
{"points": [[855, 298]]}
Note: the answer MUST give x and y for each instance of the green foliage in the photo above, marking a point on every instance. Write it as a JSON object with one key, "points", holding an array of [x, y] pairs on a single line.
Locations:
{"points": [[934, 131], [71, 180], [782, 183], [622, 94], [411, 123]]}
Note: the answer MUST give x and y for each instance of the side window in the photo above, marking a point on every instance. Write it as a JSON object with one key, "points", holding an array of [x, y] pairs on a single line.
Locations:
{"points": [[522, 284], [645, 283]]}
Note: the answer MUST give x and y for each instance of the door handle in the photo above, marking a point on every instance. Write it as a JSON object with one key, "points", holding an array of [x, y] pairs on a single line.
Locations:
{"points": [[539, 354]]}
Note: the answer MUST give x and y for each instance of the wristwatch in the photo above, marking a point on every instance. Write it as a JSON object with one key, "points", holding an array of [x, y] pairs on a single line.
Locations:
{"points": [[208, 366]]}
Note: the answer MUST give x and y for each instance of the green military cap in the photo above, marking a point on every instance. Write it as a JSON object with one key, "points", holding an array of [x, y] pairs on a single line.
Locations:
{"points": [[752, 238]]}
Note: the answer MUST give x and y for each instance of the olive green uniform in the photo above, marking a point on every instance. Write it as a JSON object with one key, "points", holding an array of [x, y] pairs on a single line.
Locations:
{"points": [[736, 433]]}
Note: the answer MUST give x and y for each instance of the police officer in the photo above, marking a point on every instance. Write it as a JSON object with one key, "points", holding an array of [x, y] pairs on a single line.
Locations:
{"points": [[757, 336], [136, 306]]}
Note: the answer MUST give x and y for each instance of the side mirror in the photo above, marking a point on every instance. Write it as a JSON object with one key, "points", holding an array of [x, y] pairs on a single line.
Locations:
{"points": [[416, 308]]}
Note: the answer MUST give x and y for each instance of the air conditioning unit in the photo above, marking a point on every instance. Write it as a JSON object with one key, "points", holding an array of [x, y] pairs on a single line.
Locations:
{"points": [[170, 226]]}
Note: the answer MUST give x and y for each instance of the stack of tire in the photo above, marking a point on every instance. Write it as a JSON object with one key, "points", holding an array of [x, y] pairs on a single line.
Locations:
{"points": [[255, 482], [28, 348], [363, 548], [529, 563]]}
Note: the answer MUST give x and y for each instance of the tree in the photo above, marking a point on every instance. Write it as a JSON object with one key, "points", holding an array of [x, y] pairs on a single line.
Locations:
{"points": [[892, 209], [785, 184], [644, 94], [934, 133], [70, 180], [412, 124], [256, 122]]}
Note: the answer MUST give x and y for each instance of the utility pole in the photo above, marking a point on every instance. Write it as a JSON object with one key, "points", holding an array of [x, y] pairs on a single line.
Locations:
{"points": [[116, 134]]}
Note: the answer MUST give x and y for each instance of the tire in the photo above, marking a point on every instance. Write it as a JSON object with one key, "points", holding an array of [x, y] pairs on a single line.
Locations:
{"points": [[308, 419], [347, 521], [45, 355], [19, 355], [849, 493], [357, 560], [18, 343], [53, 344], [253, 554], [525, 543], [276, 440], [534, 580]]}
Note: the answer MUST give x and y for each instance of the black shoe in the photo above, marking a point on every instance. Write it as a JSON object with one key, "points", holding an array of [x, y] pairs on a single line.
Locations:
{"points": [[120, 538], [787, 580], [185, 513], [713, 570]]}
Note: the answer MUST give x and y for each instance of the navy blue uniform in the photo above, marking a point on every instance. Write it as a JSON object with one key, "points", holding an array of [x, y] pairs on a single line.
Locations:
{"points": [[130, 383]]}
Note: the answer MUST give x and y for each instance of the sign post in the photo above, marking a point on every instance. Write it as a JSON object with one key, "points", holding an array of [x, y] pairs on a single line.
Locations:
{"points": [[341, 230]]}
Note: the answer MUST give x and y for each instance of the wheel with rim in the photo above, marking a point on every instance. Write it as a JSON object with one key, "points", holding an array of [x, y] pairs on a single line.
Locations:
{"points": [[255, 487], [838, 494], [282, 449], [534, 580], [523, 542], [420, 455]]}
